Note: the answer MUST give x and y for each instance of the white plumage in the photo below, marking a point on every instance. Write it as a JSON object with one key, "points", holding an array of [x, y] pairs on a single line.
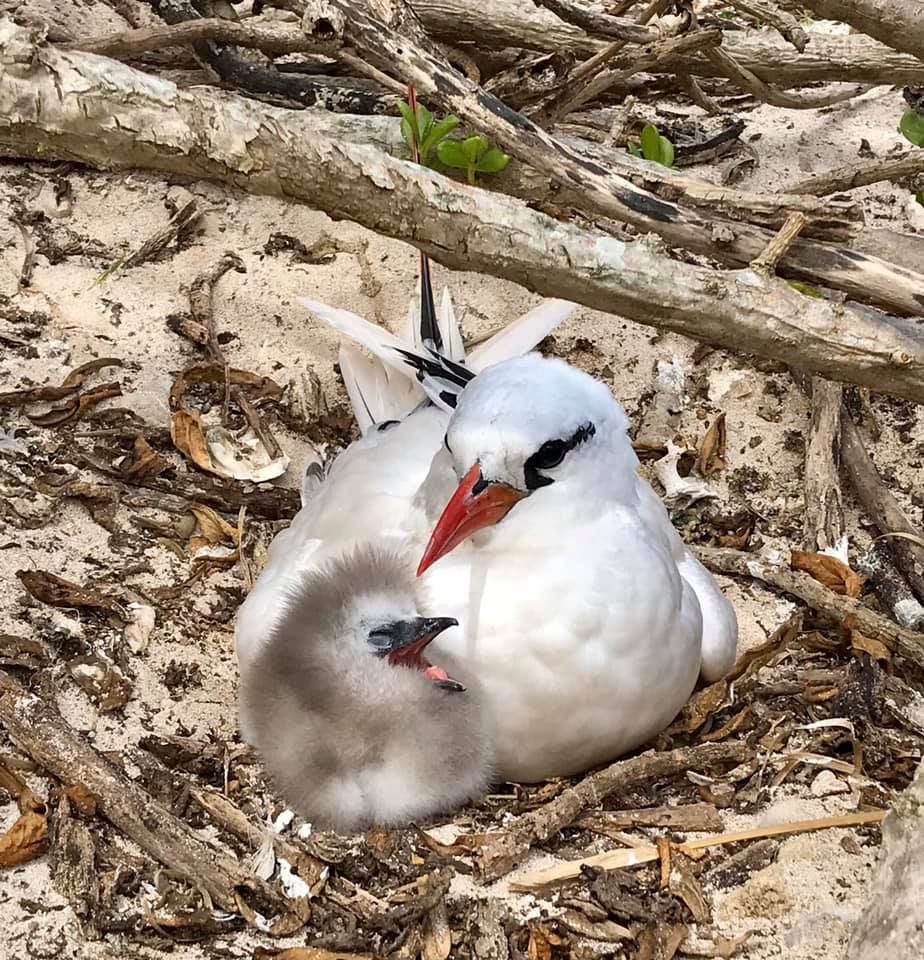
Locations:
{"points": [[584, 620]]}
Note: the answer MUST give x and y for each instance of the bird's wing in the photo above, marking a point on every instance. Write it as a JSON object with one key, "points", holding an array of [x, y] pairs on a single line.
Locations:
{"points": [[720, 625]]}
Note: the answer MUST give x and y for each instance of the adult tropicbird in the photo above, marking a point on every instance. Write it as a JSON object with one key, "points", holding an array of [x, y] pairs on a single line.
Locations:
{"points": [[584, 618]]}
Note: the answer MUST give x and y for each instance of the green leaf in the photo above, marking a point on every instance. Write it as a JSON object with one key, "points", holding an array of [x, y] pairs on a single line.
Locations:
{"points": [[474, 147], [919, 196], [912, 126], [492, 161], [424, 121], [438, 131], [635, 149], [452, 154], [665, 152], [805, 289], [651, 142]]}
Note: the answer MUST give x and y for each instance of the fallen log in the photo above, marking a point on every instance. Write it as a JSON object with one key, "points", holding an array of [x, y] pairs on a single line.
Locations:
{"points": [[601, 191], [57, 104], [896, 23], [515, 23]]}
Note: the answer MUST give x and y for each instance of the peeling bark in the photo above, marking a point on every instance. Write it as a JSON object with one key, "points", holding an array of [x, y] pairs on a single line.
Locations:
{"points": [[105, 114]]}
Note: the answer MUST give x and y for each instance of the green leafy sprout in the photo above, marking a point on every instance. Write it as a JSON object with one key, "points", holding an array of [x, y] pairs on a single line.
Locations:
{"points": [[474, 154], [912, 128], [653, 147]]}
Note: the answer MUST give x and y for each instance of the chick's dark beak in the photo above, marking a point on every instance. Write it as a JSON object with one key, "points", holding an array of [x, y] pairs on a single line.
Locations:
{"points": [[410, 637]]}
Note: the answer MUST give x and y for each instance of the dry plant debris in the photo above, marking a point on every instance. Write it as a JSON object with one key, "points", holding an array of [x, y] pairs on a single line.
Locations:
{"points": [[115, 698]]}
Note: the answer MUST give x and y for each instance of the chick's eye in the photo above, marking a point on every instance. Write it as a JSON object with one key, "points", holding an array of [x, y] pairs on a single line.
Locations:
{"points": [[549, 455], [381, 639]]}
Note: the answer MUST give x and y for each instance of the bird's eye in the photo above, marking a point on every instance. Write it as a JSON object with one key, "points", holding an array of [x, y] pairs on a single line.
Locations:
{"points": [[549, 455], [381, 638]]}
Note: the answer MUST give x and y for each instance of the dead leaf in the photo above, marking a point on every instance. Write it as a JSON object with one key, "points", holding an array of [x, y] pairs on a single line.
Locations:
{"points": [[82, 799], [685, 885], [605, 930], [75, 407], [541, 941], [214, 527], [58, 592], [307, 953], [833, 573], [20, 652], [701, 707], [145, 462], [217, 373], [101, 680], [711, 457], [71, 382], [27, 800], [25, 840], [875, 648], [188, 438]]}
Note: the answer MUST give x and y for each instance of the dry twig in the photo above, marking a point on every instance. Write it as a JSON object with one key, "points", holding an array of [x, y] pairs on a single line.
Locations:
{"points": [[862, 174], [501, 852], [738, 563]]}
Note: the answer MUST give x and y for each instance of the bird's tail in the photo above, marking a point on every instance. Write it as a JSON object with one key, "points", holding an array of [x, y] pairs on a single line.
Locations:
{"points": [[428, 360]]}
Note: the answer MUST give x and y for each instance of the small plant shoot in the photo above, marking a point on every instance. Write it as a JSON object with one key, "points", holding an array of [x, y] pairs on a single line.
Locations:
{"points": [[474, 154], [912, 128], [653, 147]]}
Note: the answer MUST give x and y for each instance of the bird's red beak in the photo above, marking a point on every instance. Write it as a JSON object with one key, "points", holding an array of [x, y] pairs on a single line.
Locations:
{"points": [[475, 505]]}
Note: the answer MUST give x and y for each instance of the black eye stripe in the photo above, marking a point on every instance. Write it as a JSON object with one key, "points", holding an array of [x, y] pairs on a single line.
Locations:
{"points": [[551, 454]]}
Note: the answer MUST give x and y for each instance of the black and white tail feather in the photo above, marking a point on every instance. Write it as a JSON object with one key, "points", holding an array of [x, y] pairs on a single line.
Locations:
{"points": [[410, 369]]}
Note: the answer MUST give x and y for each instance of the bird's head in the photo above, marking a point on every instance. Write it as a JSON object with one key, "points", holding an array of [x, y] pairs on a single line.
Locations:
{"points": [[521, 427]]}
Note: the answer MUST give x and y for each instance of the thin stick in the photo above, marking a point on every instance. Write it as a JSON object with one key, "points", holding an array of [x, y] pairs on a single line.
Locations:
{"points": [[632, 856], [600, 24], [738, 563], [729, 67], [777, 247], [501, 852], [784, 23], [855, 175]]}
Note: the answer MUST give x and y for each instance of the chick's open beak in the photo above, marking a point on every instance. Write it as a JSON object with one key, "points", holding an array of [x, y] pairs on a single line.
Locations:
{"points": [[476, 504]]}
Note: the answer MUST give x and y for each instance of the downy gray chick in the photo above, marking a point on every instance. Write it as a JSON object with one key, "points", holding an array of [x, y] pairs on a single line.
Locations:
{"points": [[354, 725]]}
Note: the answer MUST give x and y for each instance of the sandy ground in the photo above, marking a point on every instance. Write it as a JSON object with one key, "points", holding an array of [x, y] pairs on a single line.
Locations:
{"points": [[802, 905]]}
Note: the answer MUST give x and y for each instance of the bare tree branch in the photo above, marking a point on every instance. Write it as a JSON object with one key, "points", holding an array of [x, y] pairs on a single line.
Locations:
{"points": [[855, 175], [896, 23], [605, 193], [784, 23], [70, 105]]}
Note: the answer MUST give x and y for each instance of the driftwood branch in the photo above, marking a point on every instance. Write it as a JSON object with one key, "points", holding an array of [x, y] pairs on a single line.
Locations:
{"points": [[861, 174], [882, 507], [604, 192], [512, 23], [896, 23], [737, 563], [824, 508], [501, 852], [784, 23], [44, 735], [600, 24], [103, 113]]}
